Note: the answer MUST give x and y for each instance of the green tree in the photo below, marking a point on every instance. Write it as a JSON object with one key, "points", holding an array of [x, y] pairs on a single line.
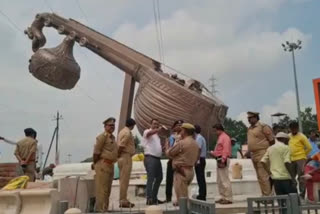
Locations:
{"points": [[236, 129], [309, 121], [137, 143], [284, 123]]}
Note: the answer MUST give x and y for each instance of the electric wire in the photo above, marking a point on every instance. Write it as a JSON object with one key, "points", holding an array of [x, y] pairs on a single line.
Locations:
{"points": [[82, 11], [11, 21]]}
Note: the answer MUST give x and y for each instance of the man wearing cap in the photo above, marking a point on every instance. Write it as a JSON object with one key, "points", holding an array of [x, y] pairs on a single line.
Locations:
{"points": [[126, 149], [299, 150], [174, 137], [26, 153], [260, 137], [184, 155], [222, 153], [105, 154], [201, 164], [278, 158], [235, 148]]}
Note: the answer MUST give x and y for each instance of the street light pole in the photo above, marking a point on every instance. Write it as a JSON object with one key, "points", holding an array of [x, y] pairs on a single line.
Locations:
{"points": [[291, 47]]}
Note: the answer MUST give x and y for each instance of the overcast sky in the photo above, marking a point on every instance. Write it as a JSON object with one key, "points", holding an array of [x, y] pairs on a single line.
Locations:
{"points": [[237, 41]]}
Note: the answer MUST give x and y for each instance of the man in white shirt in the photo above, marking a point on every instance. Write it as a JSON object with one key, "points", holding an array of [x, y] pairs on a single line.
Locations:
{"points": [[152, 163]]}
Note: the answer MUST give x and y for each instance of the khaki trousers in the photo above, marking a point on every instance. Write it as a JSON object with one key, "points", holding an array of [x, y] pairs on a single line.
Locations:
{"points": [[125, 167], [181, 182], [103, 183], [262, 175], [30, 171], [298, 169], [224, 184]]}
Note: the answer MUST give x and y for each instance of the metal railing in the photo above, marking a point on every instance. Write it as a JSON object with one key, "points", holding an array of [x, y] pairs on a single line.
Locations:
{"points": [[272, 204], [194, 206], [284, 204]]}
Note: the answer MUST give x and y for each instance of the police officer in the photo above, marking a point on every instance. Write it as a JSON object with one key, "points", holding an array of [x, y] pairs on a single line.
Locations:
{"points": [[174, 137], [26, 153], [126, 150], [260, 137], [104, 156], [184, 155]]}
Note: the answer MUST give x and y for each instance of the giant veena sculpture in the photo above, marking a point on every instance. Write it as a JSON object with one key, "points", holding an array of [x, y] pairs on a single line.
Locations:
{"points": [[160, 95]]}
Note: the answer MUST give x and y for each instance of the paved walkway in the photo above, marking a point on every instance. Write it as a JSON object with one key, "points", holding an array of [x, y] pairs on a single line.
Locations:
{"points": [[239, 206]]}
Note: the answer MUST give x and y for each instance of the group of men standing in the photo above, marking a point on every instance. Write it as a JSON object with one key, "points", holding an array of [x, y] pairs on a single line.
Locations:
{"points": [[186, 151], [107, 152], [199, 166], [284, 161], [277, 157]]}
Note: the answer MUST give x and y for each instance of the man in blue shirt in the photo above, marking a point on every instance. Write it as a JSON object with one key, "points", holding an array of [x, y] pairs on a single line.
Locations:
{"points": [[313, 141], [174, 137], [201, 164]]}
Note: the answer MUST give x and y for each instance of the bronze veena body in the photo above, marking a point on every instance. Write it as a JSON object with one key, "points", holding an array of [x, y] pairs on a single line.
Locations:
{"points": [[159, 95]]}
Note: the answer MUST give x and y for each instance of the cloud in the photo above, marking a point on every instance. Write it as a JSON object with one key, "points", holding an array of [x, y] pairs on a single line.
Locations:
{"points": [[286, 103], [229, 38], [200, 48]]}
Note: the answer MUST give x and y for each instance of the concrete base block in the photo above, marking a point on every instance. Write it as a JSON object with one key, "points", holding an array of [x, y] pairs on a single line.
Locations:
{"points": [[39, 201], [77, 192], [10, 202]]}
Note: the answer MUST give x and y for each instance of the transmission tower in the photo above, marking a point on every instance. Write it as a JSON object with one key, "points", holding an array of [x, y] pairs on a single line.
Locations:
{"points": [[213, 84]]}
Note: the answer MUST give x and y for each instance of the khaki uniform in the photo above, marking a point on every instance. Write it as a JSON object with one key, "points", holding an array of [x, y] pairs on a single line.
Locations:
{"points": [[184, 155], [24, 148], [259, 137], [107, 148], [126, 141]]}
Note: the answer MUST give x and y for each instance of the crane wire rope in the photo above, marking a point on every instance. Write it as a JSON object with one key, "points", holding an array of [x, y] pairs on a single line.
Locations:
{"points": [[157, 29], [160, 29]]}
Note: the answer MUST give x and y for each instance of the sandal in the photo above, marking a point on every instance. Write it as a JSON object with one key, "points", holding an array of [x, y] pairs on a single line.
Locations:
{"points": [[219, 201], [224, 201]]}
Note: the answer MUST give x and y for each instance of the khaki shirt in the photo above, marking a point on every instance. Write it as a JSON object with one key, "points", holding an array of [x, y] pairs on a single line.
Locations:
{"points": [[184, 153], [259, 137], [25, 147], [106, 147], [126, 140]]}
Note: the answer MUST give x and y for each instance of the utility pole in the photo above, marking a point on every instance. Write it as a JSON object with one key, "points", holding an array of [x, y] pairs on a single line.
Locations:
{"points": [[213, 85], [69, 158], [57, 118], [291, 47]]}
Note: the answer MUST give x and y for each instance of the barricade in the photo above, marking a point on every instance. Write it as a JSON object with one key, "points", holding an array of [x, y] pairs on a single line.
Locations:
{"points": [[39, 201], [10, 202], [193, 206], [283, 204]]}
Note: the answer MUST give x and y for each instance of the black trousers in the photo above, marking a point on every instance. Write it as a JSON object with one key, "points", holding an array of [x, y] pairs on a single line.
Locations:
{"points": [[169, 180], [284, 187], [201, 178]]}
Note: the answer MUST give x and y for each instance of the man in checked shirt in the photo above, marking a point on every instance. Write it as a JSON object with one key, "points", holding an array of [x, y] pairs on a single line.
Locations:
{"points": [[222, 153]]}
